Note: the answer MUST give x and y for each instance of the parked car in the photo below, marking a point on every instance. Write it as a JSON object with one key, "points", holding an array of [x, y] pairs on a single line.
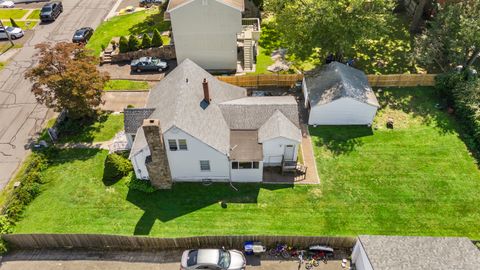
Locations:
{"points": [[148, 64], [128, 9], [215, 259], [82, 35], [148, 3], [14, 32], [51, 11], [7, 4]]}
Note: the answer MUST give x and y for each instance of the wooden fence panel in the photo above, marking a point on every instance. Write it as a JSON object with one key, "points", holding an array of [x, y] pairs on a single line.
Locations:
{"points": [[289, 80], [118, 242]]}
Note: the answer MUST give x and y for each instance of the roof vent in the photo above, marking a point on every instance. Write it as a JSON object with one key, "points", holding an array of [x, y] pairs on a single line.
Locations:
{"points": [[206, 91]]}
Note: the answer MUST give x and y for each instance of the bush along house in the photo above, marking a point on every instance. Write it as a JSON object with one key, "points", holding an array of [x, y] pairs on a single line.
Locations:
{"points": [[195, 128]]}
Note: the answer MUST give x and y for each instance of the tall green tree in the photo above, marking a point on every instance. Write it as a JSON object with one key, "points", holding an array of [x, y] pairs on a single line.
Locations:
{"points": [[328, 26], [123, 44], [133, 43], [452, 38], [156, 39], [66, 77], [146, 41]]}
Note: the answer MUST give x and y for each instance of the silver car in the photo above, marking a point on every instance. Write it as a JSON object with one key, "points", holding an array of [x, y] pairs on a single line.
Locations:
{"points": [[214, 259]]}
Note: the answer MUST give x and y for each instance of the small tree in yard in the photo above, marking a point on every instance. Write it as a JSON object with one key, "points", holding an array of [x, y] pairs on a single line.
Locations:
{"points": [[14, 24], [156, 39], [452, 38], [123, 44], [66, 77], [146, 41], [133, 43]]}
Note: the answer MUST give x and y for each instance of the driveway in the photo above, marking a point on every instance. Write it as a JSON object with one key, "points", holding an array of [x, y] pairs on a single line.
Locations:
{"points": [[162, 260], [20, 115], [121, 71]]}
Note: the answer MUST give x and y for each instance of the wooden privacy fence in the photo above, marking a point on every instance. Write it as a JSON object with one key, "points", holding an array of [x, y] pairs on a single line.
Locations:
{"points": [[401, 80], [254, 81], [118, 242], [288, 80]]}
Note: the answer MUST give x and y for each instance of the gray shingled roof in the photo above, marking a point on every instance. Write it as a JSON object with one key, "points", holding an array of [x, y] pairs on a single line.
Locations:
{"points": [[335, 81], [133, 118], [278, 125], [419, 253], [252, 112], [177, 100]]}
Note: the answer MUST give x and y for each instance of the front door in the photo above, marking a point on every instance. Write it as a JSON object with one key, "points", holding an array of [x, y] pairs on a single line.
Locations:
{"points": [[289, 152]]}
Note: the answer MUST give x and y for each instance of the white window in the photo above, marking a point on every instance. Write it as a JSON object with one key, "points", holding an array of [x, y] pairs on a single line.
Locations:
{"points": [[182, 144], [245, 165], [205, 165], [172, 144]]}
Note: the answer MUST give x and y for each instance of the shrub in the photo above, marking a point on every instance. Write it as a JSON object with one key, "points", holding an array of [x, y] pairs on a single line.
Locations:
{"points": [[116, 167], [156, 39], [140, 185], [133, 43], [14, 24], [123, 44], [146, 41]]}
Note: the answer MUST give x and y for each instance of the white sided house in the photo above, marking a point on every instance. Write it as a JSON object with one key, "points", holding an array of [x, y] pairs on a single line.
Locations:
{"points": [[213, 34], [197, 128], [336, 94]]}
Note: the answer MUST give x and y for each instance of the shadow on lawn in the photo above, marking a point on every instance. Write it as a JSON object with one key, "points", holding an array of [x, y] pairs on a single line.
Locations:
{"points": [[185, 198], [419, 102], [81, 130], [340, 139], [153, 21]]}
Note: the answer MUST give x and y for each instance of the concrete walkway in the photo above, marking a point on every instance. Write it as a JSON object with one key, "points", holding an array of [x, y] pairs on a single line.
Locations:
{"points": [[309, 157]]}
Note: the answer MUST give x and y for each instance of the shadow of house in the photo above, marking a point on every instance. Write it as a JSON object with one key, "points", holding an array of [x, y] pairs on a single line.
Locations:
{"points": [[81, 130], [151, 22], [185, 198], [339, 139]]}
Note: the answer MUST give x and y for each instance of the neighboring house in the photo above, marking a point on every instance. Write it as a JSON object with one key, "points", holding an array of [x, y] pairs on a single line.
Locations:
{"points": [[213, 34], [414, 253], [337, 94], [195, 127]]}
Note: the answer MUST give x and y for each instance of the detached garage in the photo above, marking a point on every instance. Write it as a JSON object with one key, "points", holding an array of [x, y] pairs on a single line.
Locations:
{"points": [[336, 94]]}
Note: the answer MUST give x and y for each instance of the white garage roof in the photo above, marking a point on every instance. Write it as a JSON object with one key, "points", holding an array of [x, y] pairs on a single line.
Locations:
{"points": [[335, 81]]}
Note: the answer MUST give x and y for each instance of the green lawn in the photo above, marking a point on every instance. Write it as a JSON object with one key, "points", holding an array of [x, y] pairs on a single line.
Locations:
{"points": [[135, 23], [25, 25], [103, 129], [14, 13], [114, 85], [263, 61], [35, 15], [417, 179]]}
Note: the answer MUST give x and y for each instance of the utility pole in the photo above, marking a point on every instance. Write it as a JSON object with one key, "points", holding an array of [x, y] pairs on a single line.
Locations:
{"points": [[6, 32]]}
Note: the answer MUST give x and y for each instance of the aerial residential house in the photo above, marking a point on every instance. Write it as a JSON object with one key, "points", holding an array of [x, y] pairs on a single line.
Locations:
{"points": [[197, 128], [337, 94], [414, 253], [213, 34]]}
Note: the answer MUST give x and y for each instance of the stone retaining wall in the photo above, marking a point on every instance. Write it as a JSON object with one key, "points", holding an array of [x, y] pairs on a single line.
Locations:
{"points": [[166, 52]]}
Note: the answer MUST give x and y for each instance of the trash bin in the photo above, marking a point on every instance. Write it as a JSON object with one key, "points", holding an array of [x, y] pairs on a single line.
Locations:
{"points": [[248, 247]]}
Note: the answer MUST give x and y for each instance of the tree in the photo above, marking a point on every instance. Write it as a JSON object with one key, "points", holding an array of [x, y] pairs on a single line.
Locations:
{"points": [[123, 44], [417, 16], [14, 24], [146, 41], [133, 43], [156, 39], [451, 38], [328, 26], [66, 77]]}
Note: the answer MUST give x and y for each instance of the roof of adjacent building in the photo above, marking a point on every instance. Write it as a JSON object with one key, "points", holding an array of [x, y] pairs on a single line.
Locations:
{"points": [[278, 125], [237, 4], [178, 100], [413, 252], [244, 146], [253, 112], [335, 81], [133, 118]]}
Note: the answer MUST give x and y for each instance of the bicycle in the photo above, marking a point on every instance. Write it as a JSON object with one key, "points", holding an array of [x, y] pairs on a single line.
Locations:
{"points": [[311, 263], [280, 250]]}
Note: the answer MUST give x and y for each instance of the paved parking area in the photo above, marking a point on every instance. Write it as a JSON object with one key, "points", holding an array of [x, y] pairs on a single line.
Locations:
{"points": [[165, 260], [121, 71]]}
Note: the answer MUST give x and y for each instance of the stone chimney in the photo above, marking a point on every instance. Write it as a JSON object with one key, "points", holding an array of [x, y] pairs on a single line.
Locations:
{"points": [[206, 91], [157, 162]]}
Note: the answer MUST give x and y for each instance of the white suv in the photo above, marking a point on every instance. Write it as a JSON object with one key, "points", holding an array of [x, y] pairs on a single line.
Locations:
{"points": [[14, 32]]}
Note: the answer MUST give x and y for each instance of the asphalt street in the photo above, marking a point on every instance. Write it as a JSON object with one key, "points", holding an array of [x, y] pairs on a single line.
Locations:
{"points": [[20, 115]]}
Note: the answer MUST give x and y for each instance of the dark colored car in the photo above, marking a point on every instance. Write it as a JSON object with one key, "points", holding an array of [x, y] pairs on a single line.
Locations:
{"points": [[82, 35], [51, 11], [148, 64], [148, 3]]}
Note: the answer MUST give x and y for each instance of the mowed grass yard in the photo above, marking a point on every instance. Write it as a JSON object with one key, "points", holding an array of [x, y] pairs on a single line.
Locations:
{"points": [[417, 179]]}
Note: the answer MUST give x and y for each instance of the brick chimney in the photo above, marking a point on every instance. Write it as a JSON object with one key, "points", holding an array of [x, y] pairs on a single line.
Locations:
{"points": [[157, 163], [206, 91]]}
